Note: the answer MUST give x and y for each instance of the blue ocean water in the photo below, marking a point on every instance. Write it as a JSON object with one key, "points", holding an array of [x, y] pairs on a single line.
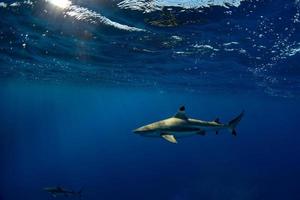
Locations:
{"points": [[76, 77]]}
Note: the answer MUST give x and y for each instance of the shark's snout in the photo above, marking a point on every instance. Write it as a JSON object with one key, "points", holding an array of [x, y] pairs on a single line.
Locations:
{"points": [[135, 131], [46, 189], [142, 129], [138, 130]]}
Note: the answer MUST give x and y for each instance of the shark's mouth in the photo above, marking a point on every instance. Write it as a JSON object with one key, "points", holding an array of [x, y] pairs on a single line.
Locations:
{"points": [[151, 134]]}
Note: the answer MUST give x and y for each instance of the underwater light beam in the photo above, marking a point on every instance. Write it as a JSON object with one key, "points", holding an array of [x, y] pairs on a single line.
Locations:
{"points": [[63, 4], [84, 14]]}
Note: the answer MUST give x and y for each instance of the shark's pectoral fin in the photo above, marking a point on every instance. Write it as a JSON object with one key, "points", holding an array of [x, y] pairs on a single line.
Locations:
{"points": [[233, 132], [54, 195], [169, 138]]}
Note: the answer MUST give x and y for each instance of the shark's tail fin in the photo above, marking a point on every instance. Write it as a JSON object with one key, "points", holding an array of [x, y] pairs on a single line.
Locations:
{"points": [[233, 123], [80, 193]]}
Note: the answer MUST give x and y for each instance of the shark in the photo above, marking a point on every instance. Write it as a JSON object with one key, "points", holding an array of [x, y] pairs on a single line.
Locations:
{"points": [[180, 125], [60, 191]]}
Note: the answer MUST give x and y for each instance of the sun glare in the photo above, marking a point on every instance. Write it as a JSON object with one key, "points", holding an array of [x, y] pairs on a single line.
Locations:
{"points": [[60, 3]]}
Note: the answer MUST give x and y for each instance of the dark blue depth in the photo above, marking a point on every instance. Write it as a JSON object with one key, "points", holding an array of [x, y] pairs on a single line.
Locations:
{"points": [[76, 80]]}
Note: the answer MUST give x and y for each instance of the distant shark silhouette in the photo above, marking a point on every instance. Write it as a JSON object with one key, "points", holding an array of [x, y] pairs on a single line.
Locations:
{"points": [[60, 191], [181, 126]]}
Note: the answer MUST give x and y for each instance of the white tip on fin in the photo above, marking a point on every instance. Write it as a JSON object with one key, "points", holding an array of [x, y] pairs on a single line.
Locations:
{"points": [[169, 138]]}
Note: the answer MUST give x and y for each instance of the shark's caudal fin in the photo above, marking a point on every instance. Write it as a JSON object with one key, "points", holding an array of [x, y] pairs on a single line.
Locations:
{"points": [[233, 123], [80, 193]]}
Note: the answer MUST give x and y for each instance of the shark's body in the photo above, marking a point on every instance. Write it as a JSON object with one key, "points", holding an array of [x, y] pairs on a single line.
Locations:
{"points": [[181, 126], [59, 191]]}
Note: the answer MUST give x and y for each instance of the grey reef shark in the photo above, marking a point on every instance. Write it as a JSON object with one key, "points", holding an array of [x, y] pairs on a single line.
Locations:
{"points": [[60, 191], [179, 126]]}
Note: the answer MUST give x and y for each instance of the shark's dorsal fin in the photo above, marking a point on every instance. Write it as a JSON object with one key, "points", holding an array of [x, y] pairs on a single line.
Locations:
{"points": [[59, 188], [169, 138], [181, 113], [217, 120]]}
